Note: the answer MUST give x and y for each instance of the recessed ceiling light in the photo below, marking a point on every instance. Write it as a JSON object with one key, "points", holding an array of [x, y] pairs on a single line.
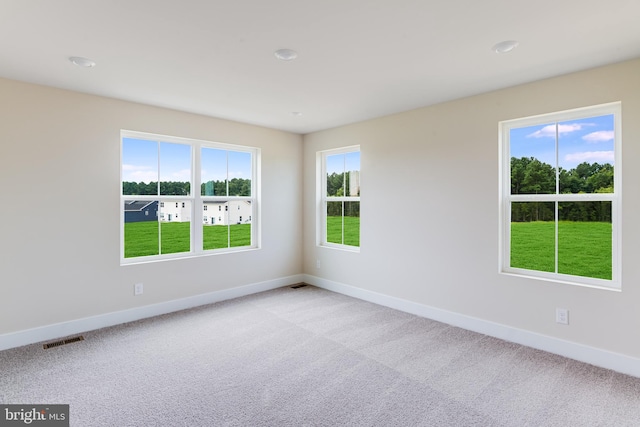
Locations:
{"points": [[286, 54], [505, 46], [82, 62]]}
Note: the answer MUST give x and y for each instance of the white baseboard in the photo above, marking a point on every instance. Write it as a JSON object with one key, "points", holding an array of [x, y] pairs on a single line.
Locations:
{"points": [[58, 330], [583, 353]]}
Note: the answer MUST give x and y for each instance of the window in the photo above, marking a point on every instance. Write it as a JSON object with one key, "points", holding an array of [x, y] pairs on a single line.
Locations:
{"points": [[157, 169], [340, 198], [560, 196]]}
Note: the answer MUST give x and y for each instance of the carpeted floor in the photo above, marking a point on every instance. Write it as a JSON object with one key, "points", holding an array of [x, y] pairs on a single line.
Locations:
{"points": [[310, 357]]}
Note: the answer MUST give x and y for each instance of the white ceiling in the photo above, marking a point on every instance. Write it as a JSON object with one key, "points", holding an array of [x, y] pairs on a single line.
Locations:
{"points": [[358, 59]]}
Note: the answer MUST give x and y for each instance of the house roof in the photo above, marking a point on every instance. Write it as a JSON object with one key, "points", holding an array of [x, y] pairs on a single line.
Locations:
{"points": [[136, 205]]}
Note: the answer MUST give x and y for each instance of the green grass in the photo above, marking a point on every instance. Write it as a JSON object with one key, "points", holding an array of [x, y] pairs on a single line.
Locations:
{"points": [[216, 236], [351, 230], [141, 238], [584, 248]]}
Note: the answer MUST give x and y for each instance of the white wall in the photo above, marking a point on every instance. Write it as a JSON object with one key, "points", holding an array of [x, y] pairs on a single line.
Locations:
{"points": [[443, 161], [59, 174]]}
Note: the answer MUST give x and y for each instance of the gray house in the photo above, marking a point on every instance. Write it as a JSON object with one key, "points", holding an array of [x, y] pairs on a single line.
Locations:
{"points": [[136, 210]]}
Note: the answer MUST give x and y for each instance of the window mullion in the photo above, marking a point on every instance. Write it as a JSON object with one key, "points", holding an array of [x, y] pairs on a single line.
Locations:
{"points": [[158, 193], [196, 196], [557, 219], [557, 213]]}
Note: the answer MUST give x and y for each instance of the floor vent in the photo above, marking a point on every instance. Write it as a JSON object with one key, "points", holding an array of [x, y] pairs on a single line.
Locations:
{"points": [[63, 342], [299, 285]]}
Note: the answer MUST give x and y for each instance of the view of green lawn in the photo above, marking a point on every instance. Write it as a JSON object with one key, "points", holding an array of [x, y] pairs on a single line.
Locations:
{"points": [[584, 248], [351, 230], [141, 238]]}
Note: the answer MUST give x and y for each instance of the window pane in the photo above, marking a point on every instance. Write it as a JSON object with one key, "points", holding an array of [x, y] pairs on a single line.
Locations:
{"points": [[240, 223], [139, 167], [175, 223], [533, 236], [215, 233], [213, 172], [533, 159], [352, 223], [585, 239], [175, 169], [239, 173], [352, 168], [140, 228], [335, 175], [334, 222], [586, 155]]}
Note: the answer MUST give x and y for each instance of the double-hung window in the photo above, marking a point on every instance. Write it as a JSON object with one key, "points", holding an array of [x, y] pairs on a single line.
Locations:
{"points": [[560, 196], [169, 184], [339, 180]]}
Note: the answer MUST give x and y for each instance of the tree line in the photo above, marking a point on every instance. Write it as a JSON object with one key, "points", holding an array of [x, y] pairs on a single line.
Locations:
{"points": [[237, 187], [531, 176], [338, 185]]}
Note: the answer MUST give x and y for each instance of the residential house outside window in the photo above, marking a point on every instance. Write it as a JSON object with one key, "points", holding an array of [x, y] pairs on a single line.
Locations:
{"points": [[193, 175]]}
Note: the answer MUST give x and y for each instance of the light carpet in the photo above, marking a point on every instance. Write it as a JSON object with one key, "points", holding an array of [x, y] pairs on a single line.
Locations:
{"points": [[310, 357]]}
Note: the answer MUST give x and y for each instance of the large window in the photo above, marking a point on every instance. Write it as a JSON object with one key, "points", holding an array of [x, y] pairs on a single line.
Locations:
{"points": [[560, 196], [164, 215], [340, 198]]}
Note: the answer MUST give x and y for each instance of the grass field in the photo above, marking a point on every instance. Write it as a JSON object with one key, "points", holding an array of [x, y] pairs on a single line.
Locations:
{"points": [[584, 248], [351, 230], [141, 238]]}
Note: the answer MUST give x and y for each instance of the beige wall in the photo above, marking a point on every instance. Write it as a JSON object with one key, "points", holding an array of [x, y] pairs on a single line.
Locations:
{"points": [[59, 173], [60, 151], [443, 161]]}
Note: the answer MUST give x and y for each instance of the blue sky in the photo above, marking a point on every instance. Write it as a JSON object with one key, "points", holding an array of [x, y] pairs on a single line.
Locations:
{"points": [[339, 163], [140, 162], [585, 140]]}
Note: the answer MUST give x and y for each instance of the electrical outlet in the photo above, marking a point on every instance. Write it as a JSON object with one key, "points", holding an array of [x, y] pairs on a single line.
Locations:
{"points": [[138, 289], [317, 263], [562, 316]]}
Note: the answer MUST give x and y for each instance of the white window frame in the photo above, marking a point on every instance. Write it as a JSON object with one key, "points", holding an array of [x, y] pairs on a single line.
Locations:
{"points": [[195, 198], [322, 198], [506, 197]]}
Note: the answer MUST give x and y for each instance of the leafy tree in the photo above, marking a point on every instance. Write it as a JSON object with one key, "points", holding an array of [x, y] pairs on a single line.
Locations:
{"points": [[335, 184], [531, 176]]}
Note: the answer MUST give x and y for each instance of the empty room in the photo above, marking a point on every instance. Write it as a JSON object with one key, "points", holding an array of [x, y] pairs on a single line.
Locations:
{"points": [[288, 213]]}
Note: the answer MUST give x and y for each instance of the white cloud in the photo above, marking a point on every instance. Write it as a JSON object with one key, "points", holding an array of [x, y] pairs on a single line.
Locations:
{"points": [[590, 157], [181, 175], [140, 176], [549, 131], [134, 173], [600, 136]]}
